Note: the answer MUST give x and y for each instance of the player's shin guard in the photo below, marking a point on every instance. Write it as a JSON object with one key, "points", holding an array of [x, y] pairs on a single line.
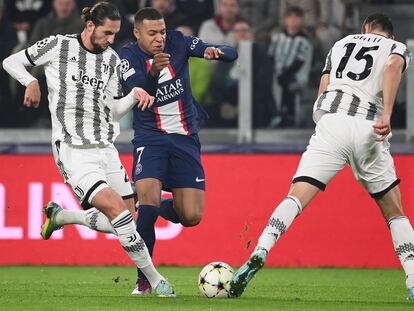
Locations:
{"points": [[403, 238], [99, 222], [92, 219], [135, 246], [147, 216], [279, 222], [167, 211]]}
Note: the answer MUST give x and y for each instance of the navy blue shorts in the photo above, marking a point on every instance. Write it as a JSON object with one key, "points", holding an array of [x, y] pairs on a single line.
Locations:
{"points": [[173, 159]]}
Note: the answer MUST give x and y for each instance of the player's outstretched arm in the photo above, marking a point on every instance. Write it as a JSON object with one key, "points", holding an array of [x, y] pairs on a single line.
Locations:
{"points": [[16, 65], [222, 52], [391, 81], [122, 106]]}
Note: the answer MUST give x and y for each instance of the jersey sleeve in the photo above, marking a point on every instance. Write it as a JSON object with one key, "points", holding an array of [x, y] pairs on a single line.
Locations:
{"points": [[135, 75], [402, 50], [195, 46], [43, 51], [114, 87], [328, 63]]}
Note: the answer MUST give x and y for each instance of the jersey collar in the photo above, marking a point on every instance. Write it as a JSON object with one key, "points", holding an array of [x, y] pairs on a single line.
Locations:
{"points": [[83, 46]]}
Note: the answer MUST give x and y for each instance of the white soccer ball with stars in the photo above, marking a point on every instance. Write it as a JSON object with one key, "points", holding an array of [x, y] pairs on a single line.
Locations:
{"points": [[214, 280]]}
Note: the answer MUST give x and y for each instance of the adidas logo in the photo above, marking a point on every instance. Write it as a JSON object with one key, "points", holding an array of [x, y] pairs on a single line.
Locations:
{"points": [[73, 59]]}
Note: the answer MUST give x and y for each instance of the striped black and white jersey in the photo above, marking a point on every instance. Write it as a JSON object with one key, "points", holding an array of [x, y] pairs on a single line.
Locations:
{"points": [[356, 65], [82, 86]]}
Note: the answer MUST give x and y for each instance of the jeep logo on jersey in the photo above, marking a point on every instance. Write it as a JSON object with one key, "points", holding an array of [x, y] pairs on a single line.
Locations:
{"points": [[169, 91], [85, 79]]}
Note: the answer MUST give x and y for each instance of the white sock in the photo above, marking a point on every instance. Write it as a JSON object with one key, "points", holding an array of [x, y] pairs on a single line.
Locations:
{"points": [[403, 237], [92, 219], [135, 246], [279, 222]]}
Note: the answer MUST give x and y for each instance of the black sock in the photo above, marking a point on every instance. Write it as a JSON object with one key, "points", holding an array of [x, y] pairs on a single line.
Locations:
{"points": [[167, 211], [147, 216]]}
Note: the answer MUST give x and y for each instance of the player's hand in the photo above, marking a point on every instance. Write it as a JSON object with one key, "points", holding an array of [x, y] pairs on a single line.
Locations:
{"points": [[212, 53], [161, 60], [144, 99], [383, 127], [32, 95]]}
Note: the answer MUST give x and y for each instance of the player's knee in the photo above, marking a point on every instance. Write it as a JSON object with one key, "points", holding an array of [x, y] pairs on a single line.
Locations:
{"points": [[148, 199], [191, 222], [191, 219]]}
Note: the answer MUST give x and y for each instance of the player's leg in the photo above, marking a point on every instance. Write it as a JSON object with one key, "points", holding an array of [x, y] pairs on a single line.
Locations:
{"points": [[321, 161], [187, 180], [85, 173], [149, 193], [74, 164], [300, 195], [402, 234], [373, 167], [118, 180], [189, 204], [57, 217], [149, 170], [112, 205]]}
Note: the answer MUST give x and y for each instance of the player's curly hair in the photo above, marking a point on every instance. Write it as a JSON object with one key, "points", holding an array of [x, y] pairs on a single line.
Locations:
{"points": [[99, 12], [379, 21]]}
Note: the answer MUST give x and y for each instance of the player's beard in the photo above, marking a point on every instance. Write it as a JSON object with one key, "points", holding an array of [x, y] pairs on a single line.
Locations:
{"points": [[98, 48]]}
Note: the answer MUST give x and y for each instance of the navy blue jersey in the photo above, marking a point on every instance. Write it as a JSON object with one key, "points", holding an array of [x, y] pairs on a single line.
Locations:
{"points": [[174, 110]]}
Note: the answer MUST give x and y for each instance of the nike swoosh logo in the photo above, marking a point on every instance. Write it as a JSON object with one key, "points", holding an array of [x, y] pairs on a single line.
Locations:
{"points": [[199, 179]]}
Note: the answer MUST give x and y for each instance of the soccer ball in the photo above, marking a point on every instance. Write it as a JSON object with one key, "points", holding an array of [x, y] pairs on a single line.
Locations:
{"points": [[214, 280]]}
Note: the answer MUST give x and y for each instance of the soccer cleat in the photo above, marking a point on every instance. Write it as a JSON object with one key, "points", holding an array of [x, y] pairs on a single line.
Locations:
{"points": [[164, 289], [246, 272], [410, 296], [51, 209], [143, 287]]}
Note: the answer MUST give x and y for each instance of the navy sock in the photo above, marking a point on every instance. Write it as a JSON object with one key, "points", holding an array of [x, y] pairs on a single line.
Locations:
{"points": [[147, 216], [167, 211]]}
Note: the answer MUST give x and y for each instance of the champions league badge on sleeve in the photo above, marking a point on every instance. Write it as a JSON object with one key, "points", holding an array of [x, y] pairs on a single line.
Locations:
{"points": [[42, 43], [124, 65], [126, 70]]}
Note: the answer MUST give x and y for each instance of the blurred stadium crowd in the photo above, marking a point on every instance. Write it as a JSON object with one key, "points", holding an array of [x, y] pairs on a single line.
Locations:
{"points": [[291, 39]]}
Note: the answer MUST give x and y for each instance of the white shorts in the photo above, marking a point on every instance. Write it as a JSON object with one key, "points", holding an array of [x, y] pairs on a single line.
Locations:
{"points": [[89, 169], [340, 139]]}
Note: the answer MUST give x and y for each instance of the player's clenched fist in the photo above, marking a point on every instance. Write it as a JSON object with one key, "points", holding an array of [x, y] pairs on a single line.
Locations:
{"points": [[161, 60], [383, 127], [32, 94], [144, 99]]}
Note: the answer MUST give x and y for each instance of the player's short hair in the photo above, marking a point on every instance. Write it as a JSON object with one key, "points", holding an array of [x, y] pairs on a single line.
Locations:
{"points": [[147, 13], [294, 10], [99, 12], [379, 21]]}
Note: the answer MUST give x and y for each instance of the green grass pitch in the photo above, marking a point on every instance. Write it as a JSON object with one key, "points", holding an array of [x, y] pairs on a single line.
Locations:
{"points": [[108, 288]]}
